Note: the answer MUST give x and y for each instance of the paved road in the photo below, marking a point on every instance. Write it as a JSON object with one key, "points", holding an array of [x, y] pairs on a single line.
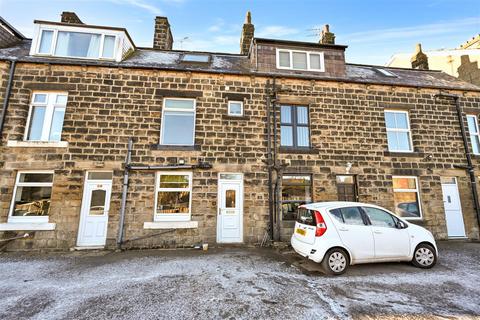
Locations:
{"points": [[233, 284]]}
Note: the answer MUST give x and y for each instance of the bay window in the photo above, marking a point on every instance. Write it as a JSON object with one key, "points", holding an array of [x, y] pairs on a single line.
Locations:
{"points": [[178, 122], [45, 120], [173, 196]]}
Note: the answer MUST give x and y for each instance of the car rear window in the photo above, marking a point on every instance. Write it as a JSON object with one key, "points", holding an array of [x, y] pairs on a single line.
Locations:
{"points": [[306, 216]]}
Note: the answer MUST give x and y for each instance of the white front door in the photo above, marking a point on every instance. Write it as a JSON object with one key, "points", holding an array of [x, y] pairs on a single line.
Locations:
{"points": [[94, 213], [230, 209], [453, 209]]}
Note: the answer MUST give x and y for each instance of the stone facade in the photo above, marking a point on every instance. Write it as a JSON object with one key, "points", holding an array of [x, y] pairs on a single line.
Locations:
{"points": [[108, 105]]}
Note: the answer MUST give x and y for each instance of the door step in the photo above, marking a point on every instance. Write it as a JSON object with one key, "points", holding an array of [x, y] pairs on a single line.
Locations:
{"points": [[88, 248]]}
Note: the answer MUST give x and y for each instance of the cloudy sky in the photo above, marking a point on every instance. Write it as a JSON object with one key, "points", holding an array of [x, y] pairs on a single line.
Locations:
{"points": [[373, 29]]}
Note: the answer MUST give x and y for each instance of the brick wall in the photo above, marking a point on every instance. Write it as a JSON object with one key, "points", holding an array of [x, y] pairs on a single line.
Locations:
{"points": [[108, 105]]}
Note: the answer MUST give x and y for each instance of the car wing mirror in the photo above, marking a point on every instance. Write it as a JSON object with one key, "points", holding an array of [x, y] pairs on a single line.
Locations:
{"points": [[401, 225]]}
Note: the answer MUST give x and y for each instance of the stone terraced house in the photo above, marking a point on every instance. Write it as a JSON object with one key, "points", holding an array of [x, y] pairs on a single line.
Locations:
{"points": [[107, 144]]}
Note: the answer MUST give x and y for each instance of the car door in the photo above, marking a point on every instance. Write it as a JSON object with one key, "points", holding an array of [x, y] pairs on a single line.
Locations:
{"points": [[391, 242], [354, 232]]}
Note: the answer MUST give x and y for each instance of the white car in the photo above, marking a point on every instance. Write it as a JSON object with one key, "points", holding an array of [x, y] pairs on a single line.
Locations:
{"points": [[339, 234]]}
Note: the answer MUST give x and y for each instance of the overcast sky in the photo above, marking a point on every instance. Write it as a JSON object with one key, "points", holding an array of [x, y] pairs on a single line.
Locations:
{"points": [[373, 30]]}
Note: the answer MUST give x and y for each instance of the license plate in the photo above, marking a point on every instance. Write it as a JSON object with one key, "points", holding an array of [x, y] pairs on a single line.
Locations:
{"points": [[301, 231]]}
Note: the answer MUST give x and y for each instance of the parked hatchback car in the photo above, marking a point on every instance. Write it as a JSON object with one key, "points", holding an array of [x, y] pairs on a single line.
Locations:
{"points": [[340, 234]]}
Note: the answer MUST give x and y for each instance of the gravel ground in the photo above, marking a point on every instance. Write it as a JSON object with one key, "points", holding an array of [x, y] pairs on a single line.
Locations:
{"points": [[233, 283]]}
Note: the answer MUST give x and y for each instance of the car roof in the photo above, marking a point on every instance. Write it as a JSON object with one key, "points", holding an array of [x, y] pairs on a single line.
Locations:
{"points": [[337, 204]]}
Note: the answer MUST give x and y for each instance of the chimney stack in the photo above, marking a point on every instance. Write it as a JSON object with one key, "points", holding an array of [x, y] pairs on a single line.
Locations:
{"points": [[327, 37], [248, 32], [419, 59], [70, 17], [162, 36]]}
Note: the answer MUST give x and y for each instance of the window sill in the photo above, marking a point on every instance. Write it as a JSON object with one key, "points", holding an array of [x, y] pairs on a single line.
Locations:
{"points": [[171, 225], [37, 144], [298, 150], [230, 117], [175, 148], [28, 226], [403, 154]]}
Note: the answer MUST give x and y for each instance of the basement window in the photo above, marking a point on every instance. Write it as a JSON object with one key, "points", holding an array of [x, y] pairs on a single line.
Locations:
{"points": [[300, 60], [31, 197], [45, 120], [173, 196], [190, 57]]}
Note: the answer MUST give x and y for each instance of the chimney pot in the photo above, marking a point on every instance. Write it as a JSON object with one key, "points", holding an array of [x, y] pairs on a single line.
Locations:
{"points": [[419, 59], [70, 17], [326, 36], [248, 32], [162, 36]]}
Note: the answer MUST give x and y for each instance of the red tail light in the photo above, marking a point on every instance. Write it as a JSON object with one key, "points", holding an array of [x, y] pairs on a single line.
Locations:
{"points": [[321, 225]]}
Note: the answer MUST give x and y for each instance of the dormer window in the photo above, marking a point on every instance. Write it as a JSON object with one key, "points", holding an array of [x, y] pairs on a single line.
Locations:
{"points": [[300, 60], [80, 42], [77, 44]]}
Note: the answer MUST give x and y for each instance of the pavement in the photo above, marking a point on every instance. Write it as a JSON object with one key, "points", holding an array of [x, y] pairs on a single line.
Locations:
{"points": [[234, 283]]}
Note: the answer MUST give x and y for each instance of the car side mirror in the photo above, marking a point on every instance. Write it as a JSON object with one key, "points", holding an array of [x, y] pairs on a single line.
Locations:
{"points": [[401, 225]]}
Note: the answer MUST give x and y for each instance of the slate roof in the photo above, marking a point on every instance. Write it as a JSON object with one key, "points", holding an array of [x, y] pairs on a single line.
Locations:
{"points": [[239, 64]]}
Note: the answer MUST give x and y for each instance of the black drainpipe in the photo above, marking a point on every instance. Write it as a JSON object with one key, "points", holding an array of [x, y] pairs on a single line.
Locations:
{"points": [[468, 155], [126, 171], [8, 91], [269, 160]]}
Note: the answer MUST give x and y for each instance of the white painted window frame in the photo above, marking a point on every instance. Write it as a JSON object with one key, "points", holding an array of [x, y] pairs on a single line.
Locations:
{"points": [[408, 130], [308, 53], [117, 51], [180, 111], [230, 102], [50, 106], [416, 190], [475, 119], [158, 217], [17, 219]]}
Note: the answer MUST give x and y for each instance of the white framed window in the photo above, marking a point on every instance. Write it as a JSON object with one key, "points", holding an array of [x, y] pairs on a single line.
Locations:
{"points": [[300, 60], [173, 196], [178, 122], [474, 133], [235, 108], [398, 131], [406, 197], [31, 197], [45, 117], [76, 43]]}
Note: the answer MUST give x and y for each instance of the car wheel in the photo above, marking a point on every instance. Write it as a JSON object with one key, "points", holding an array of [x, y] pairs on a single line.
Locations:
{"points": [[335, 262], [424, 256]]}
